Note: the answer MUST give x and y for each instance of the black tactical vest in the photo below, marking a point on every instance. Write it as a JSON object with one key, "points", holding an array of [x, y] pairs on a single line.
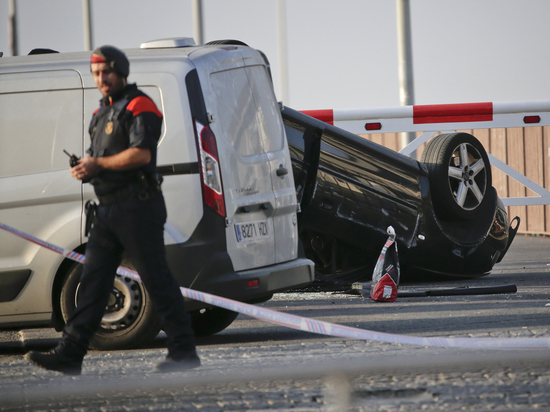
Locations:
{"points": [[109, 133]]}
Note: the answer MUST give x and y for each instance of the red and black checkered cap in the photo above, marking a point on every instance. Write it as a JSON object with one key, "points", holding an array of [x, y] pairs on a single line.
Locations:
{"points": [[113, 57]]}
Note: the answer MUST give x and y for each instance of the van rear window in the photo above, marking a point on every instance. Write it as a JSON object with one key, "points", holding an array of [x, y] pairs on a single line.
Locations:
{"points": [[247, 110]]}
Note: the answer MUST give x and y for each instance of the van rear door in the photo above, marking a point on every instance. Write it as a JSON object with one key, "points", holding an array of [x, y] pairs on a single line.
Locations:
{"points": [[271, 130], [260, 206]]}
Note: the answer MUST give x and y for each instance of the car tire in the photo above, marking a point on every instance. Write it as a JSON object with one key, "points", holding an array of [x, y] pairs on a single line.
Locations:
{"points": [[226, 41], [206, 322], [459, 175], [130, 320]]}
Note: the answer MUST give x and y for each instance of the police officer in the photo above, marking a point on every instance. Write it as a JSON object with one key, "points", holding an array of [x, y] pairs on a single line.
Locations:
{"points": [[130, 218]]}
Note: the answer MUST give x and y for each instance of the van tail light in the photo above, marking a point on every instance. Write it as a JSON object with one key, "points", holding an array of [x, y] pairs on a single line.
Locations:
{"points": [[210, 169]]}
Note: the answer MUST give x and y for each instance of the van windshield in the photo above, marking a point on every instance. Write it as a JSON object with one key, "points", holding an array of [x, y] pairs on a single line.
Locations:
{"points": [[247, 110]]}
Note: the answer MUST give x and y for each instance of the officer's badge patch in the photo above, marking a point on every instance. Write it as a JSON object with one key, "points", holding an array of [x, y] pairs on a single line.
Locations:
{"points": [[109, 128]]}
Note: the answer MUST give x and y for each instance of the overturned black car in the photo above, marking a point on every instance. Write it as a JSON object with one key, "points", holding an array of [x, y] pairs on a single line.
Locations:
{"points": [[444, 209]]}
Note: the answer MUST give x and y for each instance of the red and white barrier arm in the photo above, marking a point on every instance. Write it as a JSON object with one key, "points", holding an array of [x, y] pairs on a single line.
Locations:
{"points": [[312, 325], [426, 118]]}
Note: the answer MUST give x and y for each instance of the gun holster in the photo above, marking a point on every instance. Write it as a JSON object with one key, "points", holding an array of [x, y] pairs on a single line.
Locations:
{"points": [[91, 213]]}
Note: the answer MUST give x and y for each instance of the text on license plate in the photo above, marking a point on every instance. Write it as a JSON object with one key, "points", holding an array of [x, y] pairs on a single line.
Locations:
{"points": [[252, 230]]}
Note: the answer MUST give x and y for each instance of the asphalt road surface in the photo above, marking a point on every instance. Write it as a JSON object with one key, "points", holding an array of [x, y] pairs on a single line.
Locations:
{"points": [[257, 366]]}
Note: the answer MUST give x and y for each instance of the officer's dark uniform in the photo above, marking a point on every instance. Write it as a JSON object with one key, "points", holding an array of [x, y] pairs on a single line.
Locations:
{"points": [[130, 219]]}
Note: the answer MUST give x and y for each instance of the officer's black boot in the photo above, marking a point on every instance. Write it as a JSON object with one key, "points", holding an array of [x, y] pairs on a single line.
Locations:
{"points": [[179, 362], [66, 358]]}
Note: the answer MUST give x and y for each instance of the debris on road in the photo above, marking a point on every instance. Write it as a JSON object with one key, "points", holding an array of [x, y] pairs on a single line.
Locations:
{"points": [[363, 289]]}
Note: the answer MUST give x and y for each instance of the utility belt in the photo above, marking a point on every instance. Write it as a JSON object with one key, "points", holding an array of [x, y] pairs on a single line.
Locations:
{"points": [[142, 190], [128, 192]]}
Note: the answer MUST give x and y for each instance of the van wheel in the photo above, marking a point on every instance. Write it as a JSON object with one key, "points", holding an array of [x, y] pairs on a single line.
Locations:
{"points": [[459, 175], [129, 321], [209, 321]]}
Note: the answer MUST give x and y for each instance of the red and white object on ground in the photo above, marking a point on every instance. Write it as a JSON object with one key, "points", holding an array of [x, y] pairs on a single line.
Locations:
{"points": [[385, 277]]}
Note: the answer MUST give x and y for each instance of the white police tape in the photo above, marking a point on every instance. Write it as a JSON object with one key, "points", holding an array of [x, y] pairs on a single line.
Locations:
{"points": [[312, 325]]}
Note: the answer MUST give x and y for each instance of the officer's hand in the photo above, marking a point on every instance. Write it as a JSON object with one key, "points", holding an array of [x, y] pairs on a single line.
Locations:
{"points": [[86, 168]]}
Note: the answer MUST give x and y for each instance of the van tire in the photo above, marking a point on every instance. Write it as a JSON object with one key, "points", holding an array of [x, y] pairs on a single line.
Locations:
{"points": [[449, 172], [132, 326], [206, 322]]}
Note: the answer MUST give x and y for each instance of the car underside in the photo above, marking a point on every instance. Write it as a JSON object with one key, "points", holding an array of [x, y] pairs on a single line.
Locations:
{"points": [[446, 214]]}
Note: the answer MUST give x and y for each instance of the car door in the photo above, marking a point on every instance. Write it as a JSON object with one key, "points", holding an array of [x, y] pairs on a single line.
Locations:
{"points": [[354, 189]]}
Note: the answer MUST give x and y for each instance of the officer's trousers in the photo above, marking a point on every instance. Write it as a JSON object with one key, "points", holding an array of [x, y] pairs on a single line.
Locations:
{"points": [[136, 228]]}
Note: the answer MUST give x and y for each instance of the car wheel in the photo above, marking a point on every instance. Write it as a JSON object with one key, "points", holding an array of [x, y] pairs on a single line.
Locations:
{"points": [[459, 174], [209, 321], [226, 41], [129, 320]]}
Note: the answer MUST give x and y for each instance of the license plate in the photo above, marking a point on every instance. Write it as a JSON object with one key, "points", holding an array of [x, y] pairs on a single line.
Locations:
{"points": [[249, 231]]}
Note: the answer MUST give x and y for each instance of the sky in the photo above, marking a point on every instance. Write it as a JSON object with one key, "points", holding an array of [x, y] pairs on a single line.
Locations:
{"points": [[340, 53]]}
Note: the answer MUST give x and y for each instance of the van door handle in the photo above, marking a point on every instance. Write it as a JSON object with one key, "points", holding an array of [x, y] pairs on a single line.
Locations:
{"points": [[250, 208], [281, 171]]}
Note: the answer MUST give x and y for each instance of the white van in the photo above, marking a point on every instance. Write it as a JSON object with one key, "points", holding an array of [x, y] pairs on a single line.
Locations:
{"points": [[228, 184]]}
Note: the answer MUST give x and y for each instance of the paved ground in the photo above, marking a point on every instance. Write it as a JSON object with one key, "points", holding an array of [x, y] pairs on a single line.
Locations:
{"points": [[255, 366]]}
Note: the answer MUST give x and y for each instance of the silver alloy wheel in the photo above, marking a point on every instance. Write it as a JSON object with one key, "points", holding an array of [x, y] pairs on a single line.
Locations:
{"points": [[467, 176]]}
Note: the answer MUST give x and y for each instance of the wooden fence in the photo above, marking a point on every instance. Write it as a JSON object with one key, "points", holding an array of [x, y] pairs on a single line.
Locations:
{"points": [[525, 149]]}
